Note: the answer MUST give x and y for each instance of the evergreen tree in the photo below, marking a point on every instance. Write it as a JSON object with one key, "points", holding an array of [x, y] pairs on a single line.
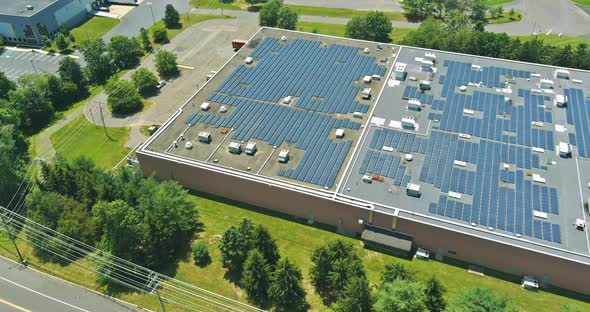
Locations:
{"points": [[285, 292], [356, 296], [61, 41], [397, 271], [145, 40], [266, 245], [401, 296], [480, 300], [435, 291], [171, 17], [256, 277]]}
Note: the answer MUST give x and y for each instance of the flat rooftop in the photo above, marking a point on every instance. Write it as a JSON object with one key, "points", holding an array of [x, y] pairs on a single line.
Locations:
{"points": [[480, 136], [19, 7]]}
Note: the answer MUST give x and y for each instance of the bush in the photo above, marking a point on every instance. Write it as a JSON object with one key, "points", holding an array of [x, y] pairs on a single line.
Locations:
{"points": [[166, 64], [201, 254], [160, 35]]}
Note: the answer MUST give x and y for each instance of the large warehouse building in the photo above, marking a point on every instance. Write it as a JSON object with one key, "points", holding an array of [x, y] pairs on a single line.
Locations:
{"points": [[478, 159]]}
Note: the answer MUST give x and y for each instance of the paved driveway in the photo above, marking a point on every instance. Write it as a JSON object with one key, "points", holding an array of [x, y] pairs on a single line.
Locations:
{"points": [[382, 5], [17, 62]]}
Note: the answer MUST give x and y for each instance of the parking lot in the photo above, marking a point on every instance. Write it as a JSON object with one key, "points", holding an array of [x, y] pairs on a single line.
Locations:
{"points": [[17, 62]]}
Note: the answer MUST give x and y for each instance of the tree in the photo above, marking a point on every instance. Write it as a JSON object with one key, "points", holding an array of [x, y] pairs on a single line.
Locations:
{"points": [[235, 245], [145, 40], [70, 71], [166, 64], [2, 40], [36, 110], [160, 35], [61, 41], [565, 57], [256, 277], [511, 13], [435, 291], [333, 265], [375, 26], [266, 245], [253, 2], [401, 296], [480, 300], [171, 17], [356, 296], [287, 18], [124, 51], [145, 81], [478, 10], [397, 271], [418, 9], [12, 165], [269, 14], [201, 254], [123, 97], [285, 291], [581, 57], [6, 85], [378, 26], [99, 63]]}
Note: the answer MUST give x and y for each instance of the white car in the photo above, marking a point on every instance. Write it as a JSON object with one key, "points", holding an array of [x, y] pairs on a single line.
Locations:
{"points": [[160, 84], [211, 74]]}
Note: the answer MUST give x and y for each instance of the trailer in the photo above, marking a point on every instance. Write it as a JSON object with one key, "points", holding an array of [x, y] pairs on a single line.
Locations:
{"points": [[238, 43]]}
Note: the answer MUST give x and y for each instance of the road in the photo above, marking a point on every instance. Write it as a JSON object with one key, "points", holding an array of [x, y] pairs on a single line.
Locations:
{"points": [[23, 289]]}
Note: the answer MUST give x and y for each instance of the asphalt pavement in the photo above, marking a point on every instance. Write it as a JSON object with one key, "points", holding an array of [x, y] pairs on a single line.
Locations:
{"points": [[27, 290], [15, 62]]}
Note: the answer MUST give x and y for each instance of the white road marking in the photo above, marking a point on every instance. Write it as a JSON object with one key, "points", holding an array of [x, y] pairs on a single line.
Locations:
{"points": [[12, 305], [43, 295]]}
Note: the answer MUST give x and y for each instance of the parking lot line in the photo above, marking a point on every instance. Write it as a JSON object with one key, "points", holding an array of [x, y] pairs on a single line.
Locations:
{"points": [[28, 57], [55, 59]]}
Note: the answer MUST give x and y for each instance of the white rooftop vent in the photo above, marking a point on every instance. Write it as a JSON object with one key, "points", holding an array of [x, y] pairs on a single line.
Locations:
{"points": [[284, 38], [546, 84], [367, 93], [287, 100], [580, 224], [562, 73], [367, 79], [455, 195], [188, 145], [357, 115], [30, 7], [251, 148], [204, 137], [424, 85], [409, 157], [366, 50], [560, 100], [565, 149], [339, 133], [413, 190], [205, 106], [468, 111], [284, 156], [249, 60], [235, 148], [430, 56], [538, 178], [414, 104], [463, 88], [409, 122], [223, 109]]}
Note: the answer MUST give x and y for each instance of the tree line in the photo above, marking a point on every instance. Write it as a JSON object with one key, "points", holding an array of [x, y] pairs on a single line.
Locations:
{"points": [[275, 14]]}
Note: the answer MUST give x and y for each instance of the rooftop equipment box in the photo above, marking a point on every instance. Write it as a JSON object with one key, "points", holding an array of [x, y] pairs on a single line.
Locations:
{"points": [[560, 100], [235, 148], [413, 190], [424, 85], [205, 106], [408, 123], [367, 93], [414, 104], [562, 73], [204, 137], [284, 156]]}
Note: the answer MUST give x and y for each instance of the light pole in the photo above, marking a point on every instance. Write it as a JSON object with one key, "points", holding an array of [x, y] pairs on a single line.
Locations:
{"points": [[188, 15], [149, 4]]}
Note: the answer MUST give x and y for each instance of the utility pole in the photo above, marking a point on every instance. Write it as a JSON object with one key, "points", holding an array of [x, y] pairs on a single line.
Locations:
{"points": [[153, 283], [34, 69], [103, 124], [6, 225]]}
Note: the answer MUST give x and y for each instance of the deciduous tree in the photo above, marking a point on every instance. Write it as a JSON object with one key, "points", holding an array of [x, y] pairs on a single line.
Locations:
{"points": [[401, 296], [123, 97], [166, 64], [145, 81], [287, 18], [269, 14], [480, 300]]}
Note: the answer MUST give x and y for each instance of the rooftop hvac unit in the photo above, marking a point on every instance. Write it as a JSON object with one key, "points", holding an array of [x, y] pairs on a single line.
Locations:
{"points": [[284, 156], [376, 77], [223, 109], [546, 84], [560, 100], [205, 106], [562, 73], [188, 145], [413, 190], [430, 56], [426, 65], [251, 148], [235, 148], [565, 149], [529, 282], [414, 104], [366, 50], [424, 85], [367, 179], [367, 79], [339, 133], [400, 71], [287, 100], [204, 137], [357, 115], [409, 123], [284, 38], [249, 60], [367, 93]]}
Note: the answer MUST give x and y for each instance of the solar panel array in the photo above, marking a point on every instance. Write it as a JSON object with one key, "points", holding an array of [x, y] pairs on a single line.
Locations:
{"points": [[493, 194], [321, 81], [578, 114]]}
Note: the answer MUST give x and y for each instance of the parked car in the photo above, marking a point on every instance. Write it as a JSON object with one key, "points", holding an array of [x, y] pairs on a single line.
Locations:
{"points": [[160, 84]]}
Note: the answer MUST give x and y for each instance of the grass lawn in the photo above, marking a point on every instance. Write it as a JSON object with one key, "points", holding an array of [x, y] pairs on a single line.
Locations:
{"points": [[185, 21], [94, 28], [555, 40], [496, 2], [217, 4], [338, 30], [504, 18], [339, 12], [80, 137], [582, 2]]}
